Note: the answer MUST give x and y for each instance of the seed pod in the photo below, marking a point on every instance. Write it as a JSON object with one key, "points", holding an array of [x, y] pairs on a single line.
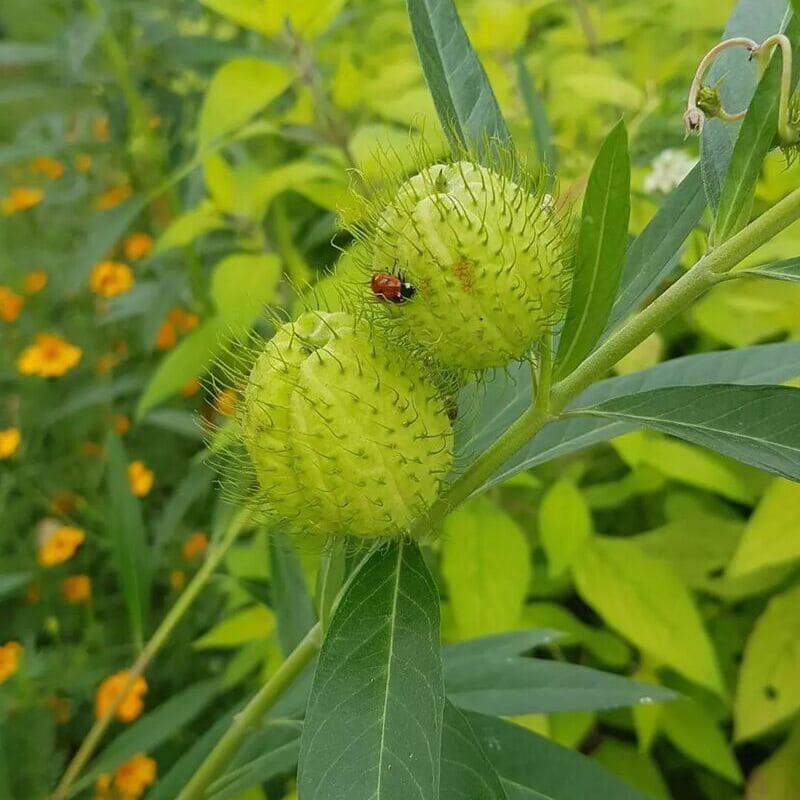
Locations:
{"points": [[484, 258], [347, 435]]}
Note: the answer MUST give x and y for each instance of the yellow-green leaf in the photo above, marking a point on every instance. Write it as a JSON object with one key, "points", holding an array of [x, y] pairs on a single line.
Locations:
{"points": [[779, 777], [256, 622], [565, 523], [642, 598], [309, 17], [242, 284], [190, 225]]}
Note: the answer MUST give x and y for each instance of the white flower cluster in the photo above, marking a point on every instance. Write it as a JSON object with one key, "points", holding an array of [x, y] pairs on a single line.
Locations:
{"points": [[668, 169]]}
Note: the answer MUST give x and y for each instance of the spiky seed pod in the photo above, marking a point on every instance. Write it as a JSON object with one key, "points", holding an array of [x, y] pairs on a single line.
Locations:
{"points": [[347, 435], [485, 256]]}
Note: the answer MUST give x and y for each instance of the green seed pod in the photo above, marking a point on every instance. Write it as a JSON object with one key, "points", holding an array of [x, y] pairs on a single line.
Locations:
{"points": [[346, 434], [484, 258]]}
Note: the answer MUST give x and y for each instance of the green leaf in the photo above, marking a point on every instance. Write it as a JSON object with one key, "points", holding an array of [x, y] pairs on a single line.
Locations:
{"points": [[754, 424], [533, 768], [382, 648], [565, 523], [635, 768], [309, 18], [643, 599], [237, 92], [189, 226], [186, 362], [755, 140], [512, 643], [655, 252], [602, 241], [128, 539], [466, 772], [471, 562], [19, 54], [540, 124], [779, 776], [11, 582], [695, 733], [95, 394], [291, 600], [772, 535], [768, 691], [255, 622], [463, 97], [242, 284], [331, 575], [786, 270]]}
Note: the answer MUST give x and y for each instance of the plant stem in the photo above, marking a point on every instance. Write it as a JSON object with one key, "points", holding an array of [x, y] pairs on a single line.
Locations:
{"points": [[250, 716], [156, 641], [545, 377]]}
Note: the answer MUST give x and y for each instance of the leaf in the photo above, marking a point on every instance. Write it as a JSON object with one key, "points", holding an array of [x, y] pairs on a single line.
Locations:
{"points": [[635, 768], [643, 599], [382, 648], [11, 582], [507, 686], [756, 136], [464, 100], [237, 92], [189, 226], [19, 54], [95, 394], [735, 75], [128, 539], [471, 562], [533, 768], [759, 425], [512, 643], [655, 252], [291, 600], [242, 284], [540, 124], [565, 523], [695, 733], [186, 362], [768, 691], [786, 270], [255, 622], [602, 240], [505, 397], [779, 776], [309, 18], [466, 772]]}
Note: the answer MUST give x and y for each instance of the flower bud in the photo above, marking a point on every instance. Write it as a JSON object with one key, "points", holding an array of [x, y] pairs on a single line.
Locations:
{"points": [[346, 433]]}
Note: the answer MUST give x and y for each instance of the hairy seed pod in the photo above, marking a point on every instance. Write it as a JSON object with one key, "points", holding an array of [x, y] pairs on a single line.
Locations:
{"points": [[347, 435], [483, 259]]}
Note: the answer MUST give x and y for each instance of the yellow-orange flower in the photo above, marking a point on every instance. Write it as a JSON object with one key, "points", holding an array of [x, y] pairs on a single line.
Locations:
{"points": [[63, 502], [153, 121], [35, 281], [10, 304], [102, 787], [122, 424], [191, 388], [194, 545], [10, 655], [49, 356], [57, 545], [83, 162], [184, 321], [76, 588], [100, 129], [225, 403], [132, 704], [21, 199], [166, 336], [177, 579], [9, 442], [137, 245], [110, 278], [140, 478], [112, 197], [106, 363], [45, 165], [129, 781]]}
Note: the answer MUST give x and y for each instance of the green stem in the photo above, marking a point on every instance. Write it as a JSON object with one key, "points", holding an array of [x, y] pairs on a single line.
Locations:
{"points": [[157, 640], [251, 715], [545, 377]]}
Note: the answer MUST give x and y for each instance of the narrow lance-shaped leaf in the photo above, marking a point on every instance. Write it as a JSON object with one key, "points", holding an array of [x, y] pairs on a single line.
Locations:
{"points": [[601, 251], [759, 425], [540, 124], [374, 721], [786, 270], [461, 92]]}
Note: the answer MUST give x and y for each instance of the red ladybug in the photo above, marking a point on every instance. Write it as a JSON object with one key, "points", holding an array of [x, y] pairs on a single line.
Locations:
{"points": [[391, 288]]}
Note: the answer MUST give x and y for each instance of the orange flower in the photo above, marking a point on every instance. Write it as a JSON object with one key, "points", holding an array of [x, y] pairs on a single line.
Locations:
{"points": [[100, 129], [132, 778], [122, 424], [183, 321], [10, 655], [83, 162], [9, 442], [137, 245], [21, 199], [132, 704], [49, 356], [45, 165], [58, 544], [10, 304], [225, 403], [35, 281], [191, 388], [63, 502], [110, 278], [194, 545], [106, 363], [177, 579], [166, 336], [112, 197], [153, 121], [140, 478], [76, 588]]}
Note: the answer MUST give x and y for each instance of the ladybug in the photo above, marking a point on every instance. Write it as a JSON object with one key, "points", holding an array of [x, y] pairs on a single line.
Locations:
{"points": [[391, 288]]}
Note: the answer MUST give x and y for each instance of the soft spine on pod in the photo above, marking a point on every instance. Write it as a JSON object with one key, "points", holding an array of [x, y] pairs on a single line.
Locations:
{"points": [[346, 434]]}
